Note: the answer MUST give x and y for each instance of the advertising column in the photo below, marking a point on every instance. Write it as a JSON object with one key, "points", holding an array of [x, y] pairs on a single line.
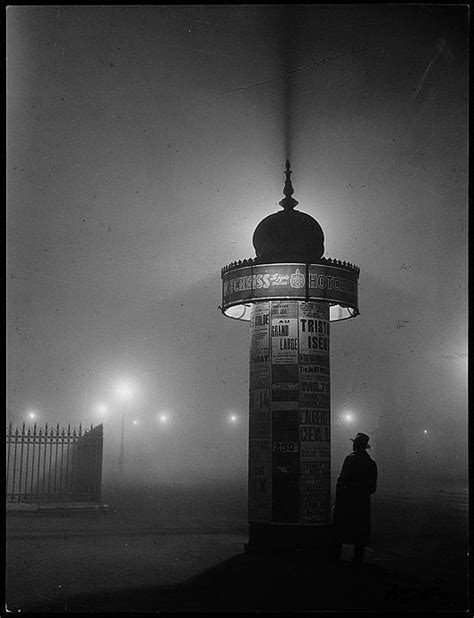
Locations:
{"points": [[289, 413]]}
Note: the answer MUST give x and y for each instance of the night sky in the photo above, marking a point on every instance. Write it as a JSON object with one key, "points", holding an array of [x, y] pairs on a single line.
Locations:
{"points": [[145, 144]]}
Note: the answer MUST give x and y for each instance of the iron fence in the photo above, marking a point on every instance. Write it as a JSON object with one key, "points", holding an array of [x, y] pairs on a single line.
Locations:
{"points": [[53, 464]]}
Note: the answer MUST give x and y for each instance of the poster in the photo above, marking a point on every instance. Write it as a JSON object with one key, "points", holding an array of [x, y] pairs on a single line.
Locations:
{"points": [[314, 391], [260, 453], [284, 332], [314, 412], [314, 491], [316, 506], [260, 479], [259, 326]]}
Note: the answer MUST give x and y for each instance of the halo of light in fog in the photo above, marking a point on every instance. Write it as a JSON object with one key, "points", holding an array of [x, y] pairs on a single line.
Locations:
{"points": [[425, 431], [348, 417], [124, 390], [163, 418], [102, 408], [32, 414], [233, 418], [135, 422]]}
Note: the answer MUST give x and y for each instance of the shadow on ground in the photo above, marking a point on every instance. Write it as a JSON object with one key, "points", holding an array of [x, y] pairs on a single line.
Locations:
{"points": [[285, 581]]}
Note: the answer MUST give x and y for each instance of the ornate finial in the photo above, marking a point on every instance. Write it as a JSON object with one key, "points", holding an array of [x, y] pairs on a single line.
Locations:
{"points": [[288, 201]]}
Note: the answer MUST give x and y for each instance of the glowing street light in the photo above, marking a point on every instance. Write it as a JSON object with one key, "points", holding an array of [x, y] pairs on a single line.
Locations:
{"points": [[425, 431], [163, 418], [102, 408], [348, 417], [135, 422], [32, 415], [124, 391], [233, 418]]}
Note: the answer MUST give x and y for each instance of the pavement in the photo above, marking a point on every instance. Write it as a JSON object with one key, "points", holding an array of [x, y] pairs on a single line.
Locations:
{"points": [[179, 552], [20, 508]]}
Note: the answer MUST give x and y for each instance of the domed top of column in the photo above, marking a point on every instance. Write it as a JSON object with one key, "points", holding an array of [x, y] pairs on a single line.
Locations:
{"points": [[288, 235]]}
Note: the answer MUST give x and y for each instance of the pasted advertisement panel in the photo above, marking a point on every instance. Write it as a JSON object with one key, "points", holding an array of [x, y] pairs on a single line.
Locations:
{"points": [[314, 391], [314, 329], [315, 434], [314, 337], [314, 412], [260, 448], [259, 326], [260, 480], [284, 406], [315, 492], [260, 355], [289, 416], [284, 332], [285, 446]]}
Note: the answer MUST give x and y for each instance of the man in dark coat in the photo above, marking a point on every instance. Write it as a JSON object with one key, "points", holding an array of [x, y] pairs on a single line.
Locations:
{"points": [[356, 482]]}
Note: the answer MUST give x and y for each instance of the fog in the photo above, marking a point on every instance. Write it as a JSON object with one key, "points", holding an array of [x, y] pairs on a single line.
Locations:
{"points": [[145, 144]]}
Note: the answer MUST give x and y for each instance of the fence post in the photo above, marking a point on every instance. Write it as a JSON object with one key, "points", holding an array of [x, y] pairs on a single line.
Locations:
{"points": [[9, 436], [33, 436], [40, 435], [44, 460], [21, 460]]}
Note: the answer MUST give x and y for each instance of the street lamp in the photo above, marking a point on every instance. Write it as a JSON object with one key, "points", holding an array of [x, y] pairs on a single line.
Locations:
{"points": [[102, 408], [124, 392]]}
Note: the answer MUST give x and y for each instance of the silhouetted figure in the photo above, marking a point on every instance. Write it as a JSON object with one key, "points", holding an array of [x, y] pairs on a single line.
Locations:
{"points": [[356, 482]]}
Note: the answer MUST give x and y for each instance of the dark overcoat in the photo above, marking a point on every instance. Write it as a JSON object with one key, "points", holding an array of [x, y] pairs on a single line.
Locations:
{"points": [[356, 482]]}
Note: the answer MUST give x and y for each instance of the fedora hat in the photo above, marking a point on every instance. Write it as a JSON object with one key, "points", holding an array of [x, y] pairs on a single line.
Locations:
{"points": [[362, 439]]}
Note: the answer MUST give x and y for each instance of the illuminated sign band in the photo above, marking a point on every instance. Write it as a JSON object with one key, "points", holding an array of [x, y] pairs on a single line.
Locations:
{"points": [[332, 281]]}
